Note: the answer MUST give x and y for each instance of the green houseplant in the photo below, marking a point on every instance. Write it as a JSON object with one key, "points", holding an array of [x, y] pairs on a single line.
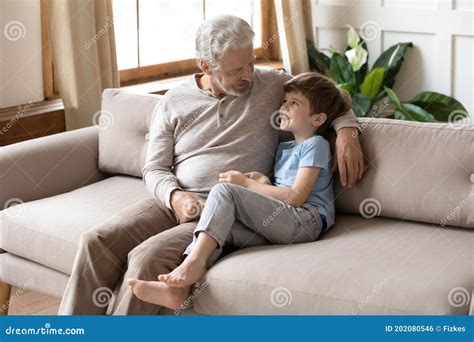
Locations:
{"points": [[371, 90]]}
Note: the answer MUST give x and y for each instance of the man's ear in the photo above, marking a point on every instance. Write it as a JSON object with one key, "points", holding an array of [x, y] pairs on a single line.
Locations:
{"points": [[205, 68], [319, 119]]}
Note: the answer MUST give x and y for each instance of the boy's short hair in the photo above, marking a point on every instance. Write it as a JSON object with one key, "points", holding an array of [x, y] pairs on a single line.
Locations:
{"points": [[323, 95]]}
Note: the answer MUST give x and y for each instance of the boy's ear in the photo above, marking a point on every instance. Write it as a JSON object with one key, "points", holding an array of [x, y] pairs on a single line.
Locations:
{"points": [[319, 119]]}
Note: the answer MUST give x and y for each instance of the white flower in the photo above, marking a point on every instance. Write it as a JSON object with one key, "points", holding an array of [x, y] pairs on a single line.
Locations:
{"points": [[357, 57], [352, 37]]}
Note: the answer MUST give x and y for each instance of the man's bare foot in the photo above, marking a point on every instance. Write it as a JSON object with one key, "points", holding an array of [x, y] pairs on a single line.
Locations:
{"points": [[186, 274], [159, 293]]}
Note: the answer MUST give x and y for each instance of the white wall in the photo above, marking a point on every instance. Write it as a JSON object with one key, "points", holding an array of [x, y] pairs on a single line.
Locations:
{"points": [[21, 78], [442, 31]]}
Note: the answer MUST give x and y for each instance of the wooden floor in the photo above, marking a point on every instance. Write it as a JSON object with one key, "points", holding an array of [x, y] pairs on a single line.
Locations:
{"points": [[27, 302]]}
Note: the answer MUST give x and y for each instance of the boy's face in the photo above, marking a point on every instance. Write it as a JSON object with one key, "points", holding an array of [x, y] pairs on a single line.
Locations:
{"points": [[296, 115]]}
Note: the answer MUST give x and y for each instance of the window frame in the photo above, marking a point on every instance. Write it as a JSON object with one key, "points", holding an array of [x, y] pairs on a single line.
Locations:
{"points": [[187, 66], [50, 88], [158, 71]]}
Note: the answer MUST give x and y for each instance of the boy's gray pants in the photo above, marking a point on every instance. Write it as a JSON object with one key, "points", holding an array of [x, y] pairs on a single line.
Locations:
{"points": [[243, 218]]}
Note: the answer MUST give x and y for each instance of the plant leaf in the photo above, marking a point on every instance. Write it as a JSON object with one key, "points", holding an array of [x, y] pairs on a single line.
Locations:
{"points": [[399, 115], [340, 70], [381, 95], [360, 104], [418, 113], [347, 87], [403, 115], [439, 105], [317, 60], [408, 111], [362, 73], [372, 83], [393, 98], [391, 60]]}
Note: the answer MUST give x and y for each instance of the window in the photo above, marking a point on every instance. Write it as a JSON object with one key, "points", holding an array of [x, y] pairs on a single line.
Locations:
{"points": [[155, 38]]}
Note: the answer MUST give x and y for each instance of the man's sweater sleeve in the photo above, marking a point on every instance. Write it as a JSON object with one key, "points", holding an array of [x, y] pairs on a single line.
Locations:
{"points": [[157, 173], [347, 120]]}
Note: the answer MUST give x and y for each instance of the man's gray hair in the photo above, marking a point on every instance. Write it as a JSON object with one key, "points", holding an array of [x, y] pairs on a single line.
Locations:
{"points": [[218, 35]]}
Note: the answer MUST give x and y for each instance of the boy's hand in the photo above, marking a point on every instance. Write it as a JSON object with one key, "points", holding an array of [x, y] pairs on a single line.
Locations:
{"points": [[234, 177], [259, 177]]}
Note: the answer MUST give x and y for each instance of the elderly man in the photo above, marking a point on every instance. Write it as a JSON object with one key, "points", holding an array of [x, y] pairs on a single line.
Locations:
{"points": [[217, 121]]}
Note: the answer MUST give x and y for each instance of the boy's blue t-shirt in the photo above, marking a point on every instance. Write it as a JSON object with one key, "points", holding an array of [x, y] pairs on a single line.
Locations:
{"points": [[312, 152]]}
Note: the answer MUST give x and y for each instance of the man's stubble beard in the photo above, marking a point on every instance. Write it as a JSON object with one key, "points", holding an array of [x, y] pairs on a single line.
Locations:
{"points": [[234, 92]]}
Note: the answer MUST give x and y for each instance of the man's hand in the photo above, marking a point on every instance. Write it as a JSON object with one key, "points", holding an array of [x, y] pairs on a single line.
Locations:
{"points": [[348, 157], [234, 177], [187, 205], [259, 177]]}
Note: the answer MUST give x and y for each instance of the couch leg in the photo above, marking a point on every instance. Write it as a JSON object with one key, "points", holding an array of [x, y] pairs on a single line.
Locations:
{"points": [[5, 290]]}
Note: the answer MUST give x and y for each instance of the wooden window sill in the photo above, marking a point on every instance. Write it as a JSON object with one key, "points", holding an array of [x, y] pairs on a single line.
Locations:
{"points": [[30, 109], [163, 85], [33, 120], [154, 87]]}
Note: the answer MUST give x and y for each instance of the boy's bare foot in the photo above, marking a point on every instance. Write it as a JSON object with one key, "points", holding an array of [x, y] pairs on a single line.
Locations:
{"points": [[186, 274], [159, 293]]}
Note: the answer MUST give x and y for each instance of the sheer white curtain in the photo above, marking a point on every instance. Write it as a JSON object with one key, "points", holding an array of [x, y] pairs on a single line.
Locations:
{"points": [[294, 27], [84, 56]]}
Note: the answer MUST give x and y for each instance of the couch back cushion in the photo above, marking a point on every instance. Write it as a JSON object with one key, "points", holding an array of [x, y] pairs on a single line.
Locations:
{"points": [[124, 124], [415, 171]]}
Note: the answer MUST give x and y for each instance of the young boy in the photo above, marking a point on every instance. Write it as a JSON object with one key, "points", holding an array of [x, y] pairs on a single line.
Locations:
{"points": [[247, 210]]}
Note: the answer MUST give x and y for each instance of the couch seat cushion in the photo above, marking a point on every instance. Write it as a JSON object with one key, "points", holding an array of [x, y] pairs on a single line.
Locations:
{"points": [[47, 231], [362, 266]]}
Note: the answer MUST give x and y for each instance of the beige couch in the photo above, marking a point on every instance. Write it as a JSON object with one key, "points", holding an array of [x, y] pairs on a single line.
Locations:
{"points": [[402, 243]]}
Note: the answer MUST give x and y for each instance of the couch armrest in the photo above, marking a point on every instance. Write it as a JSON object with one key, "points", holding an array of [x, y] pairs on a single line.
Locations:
{"points": [[49, 166]]}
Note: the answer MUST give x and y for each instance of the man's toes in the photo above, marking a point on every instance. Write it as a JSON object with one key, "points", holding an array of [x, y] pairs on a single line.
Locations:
{"points": [[175, 281], [163, 277], [168, 280], [132, 282], [137, 290], [172, 279]]}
